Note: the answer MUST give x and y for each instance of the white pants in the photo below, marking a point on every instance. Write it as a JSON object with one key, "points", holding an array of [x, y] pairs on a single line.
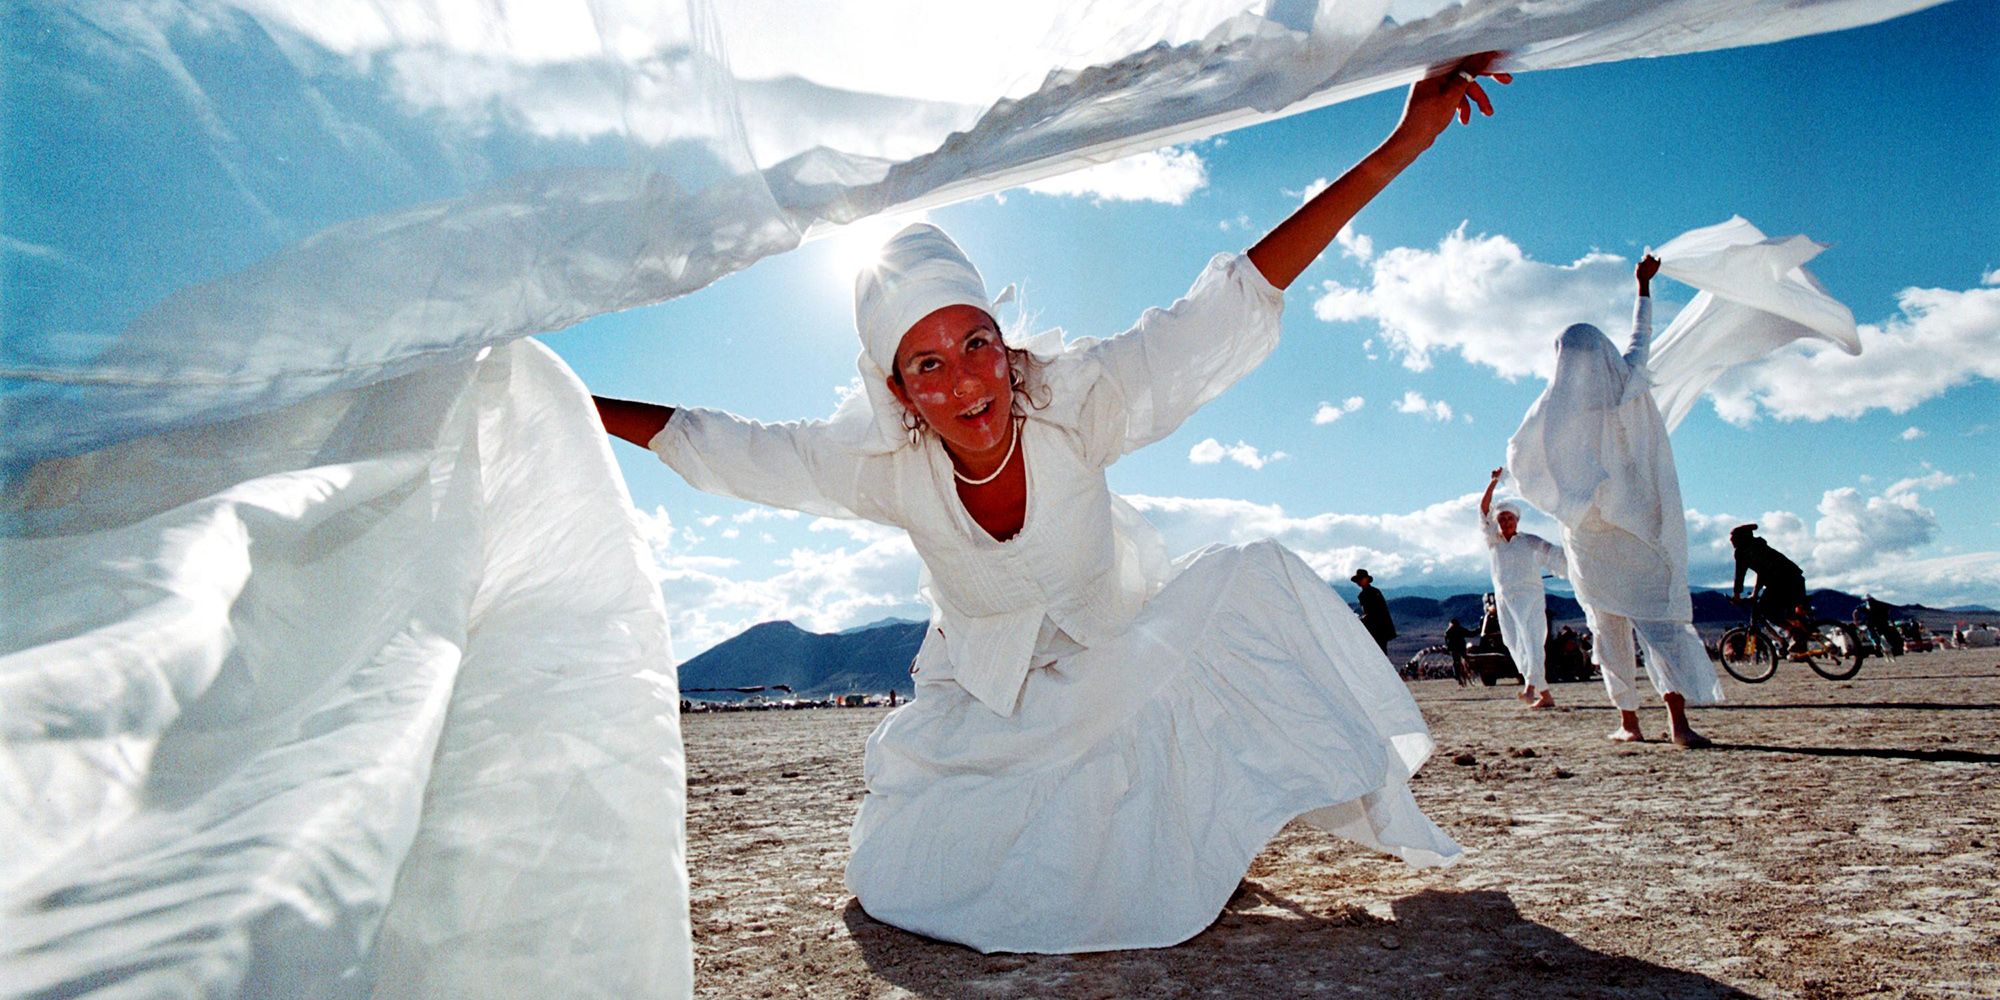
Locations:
{"points": [[1524, 627], [1676, 661]]}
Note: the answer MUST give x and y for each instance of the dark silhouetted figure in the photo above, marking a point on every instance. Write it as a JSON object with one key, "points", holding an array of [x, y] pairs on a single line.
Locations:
{"points": [[1374, 610]]}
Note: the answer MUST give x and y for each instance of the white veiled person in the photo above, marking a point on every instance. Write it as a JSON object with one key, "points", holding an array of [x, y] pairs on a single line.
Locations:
{"points": [[1101, 739], [1593, 453]]}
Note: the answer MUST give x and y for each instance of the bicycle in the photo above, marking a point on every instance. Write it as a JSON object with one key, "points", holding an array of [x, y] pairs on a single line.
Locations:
{"points": [[1751, 652]]}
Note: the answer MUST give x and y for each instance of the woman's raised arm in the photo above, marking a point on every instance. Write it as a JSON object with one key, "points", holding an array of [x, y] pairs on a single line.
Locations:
{"points": [[632, 420], [1295, 243], [1486, 501]]}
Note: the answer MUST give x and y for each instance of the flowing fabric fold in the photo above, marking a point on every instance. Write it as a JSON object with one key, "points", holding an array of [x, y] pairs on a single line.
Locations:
{"points": [[1755, 297], [401, 189], [369, 694]]}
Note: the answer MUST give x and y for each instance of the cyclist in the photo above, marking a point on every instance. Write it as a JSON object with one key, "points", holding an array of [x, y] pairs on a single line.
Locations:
{"points": [[1780, 593]]}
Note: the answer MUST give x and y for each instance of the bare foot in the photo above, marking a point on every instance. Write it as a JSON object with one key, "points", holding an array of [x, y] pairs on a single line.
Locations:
{"points": [[1622, 735], [1544, 700], [1526, 694]]}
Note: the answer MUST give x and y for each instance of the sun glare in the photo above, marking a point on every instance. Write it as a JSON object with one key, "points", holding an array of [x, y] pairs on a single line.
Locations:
{"points": [[857, 245]]}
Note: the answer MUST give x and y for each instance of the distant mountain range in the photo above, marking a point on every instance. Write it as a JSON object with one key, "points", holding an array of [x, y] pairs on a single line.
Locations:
{"points": [[872, 659], [875, 658]]}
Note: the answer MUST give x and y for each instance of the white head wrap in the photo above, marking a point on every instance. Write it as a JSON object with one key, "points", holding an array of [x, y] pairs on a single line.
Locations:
{"points": [[919, 271], [1506, 507]]}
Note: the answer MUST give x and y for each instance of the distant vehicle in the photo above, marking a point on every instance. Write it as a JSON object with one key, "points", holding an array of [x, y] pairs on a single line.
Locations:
{"points": [[1487, 659], [1916, 638]]}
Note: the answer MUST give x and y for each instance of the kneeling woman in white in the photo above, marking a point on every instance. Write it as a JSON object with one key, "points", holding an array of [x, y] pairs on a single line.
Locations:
{"points": [[1593, 452], [1102, 739]]}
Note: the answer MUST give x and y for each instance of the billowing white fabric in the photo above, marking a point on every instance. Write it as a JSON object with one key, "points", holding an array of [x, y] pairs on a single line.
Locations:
{"points": [[246, 219], [1756, 297], [333, 196], [1517, 565], [1120, 806], [368, 696], [1084, 559]]}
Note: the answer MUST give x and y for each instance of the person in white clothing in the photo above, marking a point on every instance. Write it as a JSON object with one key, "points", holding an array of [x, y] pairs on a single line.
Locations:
{"points": [[1518, 561], [1593, 452], [1102, 739]]}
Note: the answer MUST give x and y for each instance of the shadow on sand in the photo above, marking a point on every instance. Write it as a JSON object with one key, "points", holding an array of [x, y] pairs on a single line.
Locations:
{"points": [[1880, 753], [1440, 944]]}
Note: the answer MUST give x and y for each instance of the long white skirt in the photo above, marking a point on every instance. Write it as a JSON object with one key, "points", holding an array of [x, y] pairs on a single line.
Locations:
{"points": [[1121, 804]]}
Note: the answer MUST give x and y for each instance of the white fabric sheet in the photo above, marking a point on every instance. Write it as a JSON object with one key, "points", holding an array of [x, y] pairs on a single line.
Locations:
{"points": [[280, 200], [369, 695], [1755, 297]]}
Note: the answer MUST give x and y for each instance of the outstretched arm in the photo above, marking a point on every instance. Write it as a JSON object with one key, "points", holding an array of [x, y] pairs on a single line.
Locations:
{"points": [[1486, 501], [1641, 348], [1287, 250], [632, 420]]}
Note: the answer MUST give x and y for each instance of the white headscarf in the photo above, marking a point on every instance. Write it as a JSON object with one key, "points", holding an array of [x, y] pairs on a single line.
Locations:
{"points": [[919, 271], [1593, 452]]}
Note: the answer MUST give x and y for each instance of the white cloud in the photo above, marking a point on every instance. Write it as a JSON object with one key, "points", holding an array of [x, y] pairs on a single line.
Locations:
{"points": [[1164, 175], [1328, 413], [1940, 339], [1854, 541], [1436, 544], [1309, 192], [1210, 451], [1485, 299], [1912, 433], [1859, 542], [1481, 297], [1414, 402], [1354, 244], [872, 575]]}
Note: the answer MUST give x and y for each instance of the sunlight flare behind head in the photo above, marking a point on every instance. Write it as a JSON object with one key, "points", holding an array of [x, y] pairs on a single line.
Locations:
{"points": [[859, 244]]}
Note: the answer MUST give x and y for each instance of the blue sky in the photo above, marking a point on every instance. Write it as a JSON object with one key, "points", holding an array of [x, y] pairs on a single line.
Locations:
{"points": [[1874, 141]]}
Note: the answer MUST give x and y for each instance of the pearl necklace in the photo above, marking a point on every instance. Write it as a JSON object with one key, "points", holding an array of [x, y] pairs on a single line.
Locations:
{"points": [[1013, 442]]}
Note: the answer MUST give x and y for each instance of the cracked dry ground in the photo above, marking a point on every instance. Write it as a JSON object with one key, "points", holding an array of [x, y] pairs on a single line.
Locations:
{"points": [[1843, 840]]}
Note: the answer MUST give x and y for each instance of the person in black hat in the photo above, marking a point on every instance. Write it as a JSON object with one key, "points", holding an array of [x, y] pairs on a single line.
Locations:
{"points": [[1374, 610]]}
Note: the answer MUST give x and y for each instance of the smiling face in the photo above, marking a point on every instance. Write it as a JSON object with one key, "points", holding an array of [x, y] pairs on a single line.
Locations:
{"points": [[952, 370], [1509, 522]]}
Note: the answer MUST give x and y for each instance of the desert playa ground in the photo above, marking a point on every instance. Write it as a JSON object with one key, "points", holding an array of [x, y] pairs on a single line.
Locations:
{"points": [[1843, 840]]}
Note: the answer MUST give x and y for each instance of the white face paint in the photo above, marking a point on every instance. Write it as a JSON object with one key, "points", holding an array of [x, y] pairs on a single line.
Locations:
{"points": [[955, 374]]}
